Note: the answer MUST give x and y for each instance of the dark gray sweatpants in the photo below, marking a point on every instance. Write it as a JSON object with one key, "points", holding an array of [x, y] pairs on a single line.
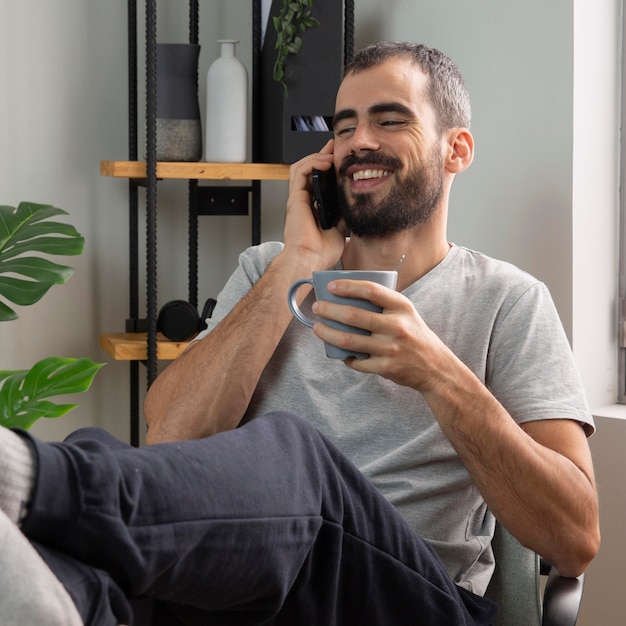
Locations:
{"points": [[266, 524]]}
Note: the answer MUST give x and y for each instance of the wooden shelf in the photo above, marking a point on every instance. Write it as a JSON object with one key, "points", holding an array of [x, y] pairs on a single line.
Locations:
{"points": [[134, 346], [199, 170]]}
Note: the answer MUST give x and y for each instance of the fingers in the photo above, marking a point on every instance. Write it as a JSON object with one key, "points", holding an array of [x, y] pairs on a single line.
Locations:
{"points": [[329, 148], [379, 345], [387, 299], [301, 230], [349, 316], [300, 185], [396, 334], [364, 290], [321, 160]]}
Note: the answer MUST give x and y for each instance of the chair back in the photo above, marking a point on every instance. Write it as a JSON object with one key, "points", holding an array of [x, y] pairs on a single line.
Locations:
{"points": [[515, 584]]}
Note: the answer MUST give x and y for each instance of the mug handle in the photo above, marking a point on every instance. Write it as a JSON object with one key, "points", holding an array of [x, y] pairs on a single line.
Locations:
{"points": [[293, 305]]}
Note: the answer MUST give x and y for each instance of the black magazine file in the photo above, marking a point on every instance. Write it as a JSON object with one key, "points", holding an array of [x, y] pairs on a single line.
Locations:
{"points": [[313, 77]]}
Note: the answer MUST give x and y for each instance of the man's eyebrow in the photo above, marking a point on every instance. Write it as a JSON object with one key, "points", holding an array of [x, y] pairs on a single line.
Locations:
{"points": [[345, 114], [390, 107], [383, 107]]}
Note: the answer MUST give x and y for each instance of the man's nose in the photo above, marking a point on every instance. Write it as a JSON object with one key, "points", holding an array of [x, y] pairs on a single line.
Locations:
{"points": [[364, 139]]}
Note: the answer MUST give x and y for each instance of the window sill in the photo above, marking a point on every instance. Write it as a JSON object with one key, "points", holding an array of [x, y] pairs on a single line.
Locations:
{"points": [[613, 411]]}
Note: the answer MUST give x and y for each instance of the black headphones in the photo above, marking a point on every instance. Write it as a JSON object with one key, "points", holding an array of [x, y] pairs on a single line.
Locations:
{"points": [[178, 320]]}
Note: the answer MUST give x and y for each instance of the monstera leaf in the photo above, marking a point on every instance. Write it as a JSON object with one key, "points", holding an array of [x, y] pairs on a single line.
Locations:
{"points": [[24, 230], [23, 393], [24, 279]]}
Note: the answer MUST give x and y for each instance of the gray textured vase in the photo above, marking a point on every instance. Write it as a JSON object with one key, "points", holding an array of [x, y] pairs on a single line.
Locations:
{"points": [[178, 129]]}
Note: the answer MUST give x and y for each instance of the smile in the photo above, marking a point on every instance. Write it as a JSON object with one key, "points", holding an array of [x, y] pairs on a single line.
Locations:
{"points": [[367, 174]]}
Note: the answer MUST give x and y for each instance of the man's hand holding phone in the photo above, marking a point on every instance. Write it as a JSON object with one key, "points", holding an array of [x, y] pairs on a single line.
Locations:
{"points": [[326, 197], [304, 235]]}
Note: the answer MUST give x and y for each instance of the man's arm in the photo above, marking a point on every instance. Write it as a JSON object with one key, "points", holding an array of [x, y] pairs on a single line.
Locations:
{"points": [[536, 478], [208, 388]]}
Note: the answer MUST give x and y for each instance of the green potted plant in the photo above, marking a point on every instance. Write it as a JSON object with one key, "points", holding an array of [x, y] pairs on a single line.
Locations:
{"points": [[290, 24], [301, 66], [24, 280]]}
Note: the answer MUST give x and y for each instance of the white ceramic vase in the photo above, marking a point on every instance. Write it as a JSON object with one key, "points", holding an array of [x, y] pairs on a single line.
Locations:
{"points": [[226, 107]]}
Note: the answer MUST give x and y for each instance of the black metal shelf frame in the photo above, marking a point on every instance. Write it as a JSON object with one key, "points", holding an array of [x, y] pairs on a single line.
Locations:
{"points": [[196, 194]]}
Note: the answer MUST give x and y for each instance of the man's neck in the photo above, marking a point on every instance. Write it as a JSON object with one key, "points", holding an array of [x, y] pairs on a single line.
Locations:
{"points": [[421, 251]]}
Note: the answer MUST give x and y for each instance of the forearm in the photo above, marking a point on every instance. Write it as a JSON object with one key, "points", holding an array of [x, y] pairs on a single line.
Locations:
{"points": [[543, 497], [537, 478], [208, 388]]}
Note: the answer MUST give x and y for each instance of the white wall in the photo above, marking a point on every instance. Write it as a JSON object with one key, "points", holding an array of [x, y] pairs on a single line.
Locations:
{"points": [[63, 76], [541, 193], [63, 109], [597, 38], [515, 201]]}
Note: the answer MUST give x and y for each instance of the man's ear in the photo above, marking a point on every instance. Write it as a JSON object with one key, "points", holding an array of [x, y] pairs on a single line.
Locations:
{"points": [[460, 150]]}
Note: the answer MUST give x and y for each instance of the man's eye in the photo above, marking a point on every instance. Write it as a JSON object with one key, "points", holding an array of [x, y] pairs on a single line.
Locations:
{"points": [[391, 122], [344, 130]]}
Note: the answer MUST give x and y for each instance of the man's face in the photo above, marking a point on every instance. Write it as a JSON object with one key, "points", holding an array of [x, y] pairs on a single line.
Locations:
{"points": [[387, 150]]}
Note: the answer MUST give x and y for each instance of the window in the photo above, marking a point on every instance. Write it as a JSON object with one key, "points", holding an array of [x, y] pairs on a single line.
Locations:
{"points": [[622, 228]]}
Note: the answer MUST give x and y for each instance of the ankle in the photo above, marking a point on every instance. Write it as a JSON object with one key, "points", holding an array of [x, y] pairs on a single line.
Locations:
{"points": [[17, 474]]}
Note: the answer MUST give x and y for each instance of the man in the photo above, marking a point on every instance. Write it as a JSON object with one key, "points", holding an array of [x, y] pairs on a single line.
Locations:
{"points": [[401, 136], [469, 407]]}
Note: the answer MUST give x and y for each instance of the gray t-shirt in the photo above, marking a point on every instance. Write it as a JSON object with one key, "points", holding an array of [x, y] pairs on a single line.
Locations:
{"points": [[500, 321]]}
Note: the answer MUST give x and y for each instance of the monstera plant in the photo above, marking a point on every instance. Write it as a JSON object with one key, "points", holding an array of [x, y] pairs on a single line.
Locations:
{"points": [[24, 279]]}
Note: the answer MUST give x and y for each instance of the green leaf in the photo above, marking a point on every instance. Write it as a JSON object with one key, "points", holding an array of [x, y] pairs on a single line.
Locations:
{"points": [[279, 72], [27, 222], [27, 212], [297, 44], [14, 221], [6, 313], [56, 376], [41, 269], [294, 17], [24, 230], [48, 245], [22, 392], [23, 292], [37, 229], [311, 22]]}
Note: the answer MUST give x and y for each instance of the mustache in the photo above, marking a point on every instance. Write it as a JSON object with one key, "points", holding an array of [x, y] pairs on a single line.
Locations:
{"points": [[374, 158]]}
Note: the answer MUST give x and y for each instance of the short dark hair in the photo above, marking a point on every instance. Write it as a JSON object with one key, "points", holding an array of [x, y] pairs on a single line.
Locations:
{"points": [[446, 88]]}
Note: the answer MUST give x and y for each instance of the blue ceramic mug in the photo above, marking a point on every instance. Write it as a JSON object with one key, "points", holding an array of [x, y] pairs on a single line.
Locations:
{"points": [[320, 281]]}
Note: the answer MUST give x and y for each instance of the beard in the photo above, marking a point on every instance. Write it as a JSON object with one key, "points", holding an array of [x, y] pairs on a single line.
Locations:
{"points": [[411, 201]]}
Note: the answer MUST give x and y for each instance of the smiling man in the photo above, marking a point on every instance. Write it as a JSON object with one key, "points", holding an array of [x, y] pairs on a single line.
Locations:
{"points": [[359, 492], [411, 200], [462, 413]]}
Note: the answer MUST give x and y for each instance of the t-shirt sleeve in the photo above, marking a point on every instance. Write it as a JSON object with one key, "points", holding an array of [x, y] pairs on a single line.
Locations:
{"points": [[531, 368], [252, 264]]}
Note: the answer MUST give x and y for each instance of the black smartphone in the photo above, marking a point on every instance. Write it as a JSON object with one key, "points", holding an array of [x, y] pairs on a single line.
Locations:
{"points": [[326, 197]]}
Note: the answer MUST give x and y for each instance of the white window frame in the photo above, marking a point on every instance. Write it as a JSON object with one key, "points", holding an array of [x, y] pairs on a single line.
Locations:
{"points": [[622, 225]]}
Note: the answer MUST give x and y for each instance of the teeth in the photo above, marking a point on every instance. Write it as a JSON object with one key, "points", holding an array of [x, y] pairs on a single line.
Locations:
{"points": [[363, 174]]}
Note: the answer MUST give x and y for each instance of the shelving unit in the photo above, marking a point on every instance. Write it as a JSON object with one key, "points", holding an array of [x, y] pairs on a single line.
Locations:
{"points": [[148, 347], [133, 346], [141, 343], [196, 171]]}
